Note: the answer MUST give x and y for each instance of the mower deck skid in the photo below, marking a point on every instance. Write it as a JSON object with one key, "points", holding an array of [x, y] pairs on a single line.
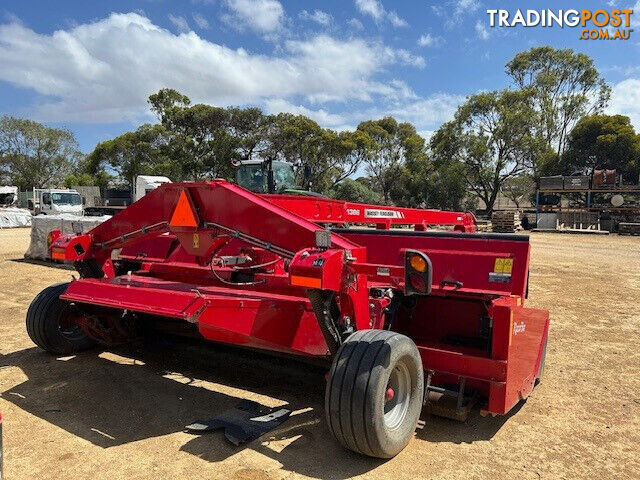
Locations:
{"points": [[284, 323], [244, 270]]}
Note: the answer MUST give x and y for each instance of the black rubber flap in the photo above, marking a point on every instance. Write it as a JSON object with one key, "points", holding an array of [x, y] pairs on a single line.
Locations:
{"points": [[246, 422]]}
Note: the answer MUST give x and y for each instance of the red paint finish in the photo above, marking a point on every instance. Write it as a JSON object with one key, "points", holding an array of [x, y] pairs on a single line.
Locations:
{"points": [[389, 394], [238, 266], [339, 212], [522, 333], [462, 258]]}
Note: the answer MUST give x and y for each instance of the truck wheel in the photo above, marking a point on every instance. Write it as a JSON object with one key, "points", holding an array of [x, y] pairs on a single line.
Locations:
{"points": [[374, 393], [51, 323]]}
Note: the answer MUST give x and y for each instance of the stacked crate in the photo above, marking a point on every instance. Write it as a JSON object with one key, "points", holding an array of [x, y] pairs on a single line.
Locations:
{"points": [[578, 220], [629, 228], [505, 222]]}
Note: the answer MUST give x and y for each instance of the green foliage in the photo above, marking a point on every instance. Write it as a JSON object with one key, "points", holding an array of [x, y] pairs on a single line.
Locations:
{"points": [[445, 187], [356, 191], [392, 145], [490, 138], [34, 155], [166, 99], [423, 183], [519, 189], [603, 141], [141, 152], [565, 85], [79, 180]]}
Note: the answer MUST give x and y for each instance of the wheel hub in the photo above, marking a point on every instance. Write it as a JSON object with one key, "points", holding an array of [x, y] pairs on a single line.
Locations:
{"points": [[397, 396], [390, 393]]}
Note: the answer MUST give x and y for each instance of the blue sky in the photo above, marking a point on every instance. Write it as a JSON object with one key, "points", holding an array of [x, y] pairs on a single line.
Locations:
{"points": [[89, 66]]}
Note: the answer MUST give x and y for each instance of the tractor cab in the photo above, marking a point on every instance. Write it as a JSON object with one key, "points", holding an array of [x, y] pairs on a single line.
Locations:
{"points": [[266, 176]]}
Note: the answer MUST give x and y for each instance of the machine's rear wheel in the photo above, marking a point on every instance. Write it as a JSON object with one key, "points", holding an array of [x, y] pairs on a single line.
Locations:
{"points": [[374, 393], [51, 323]]}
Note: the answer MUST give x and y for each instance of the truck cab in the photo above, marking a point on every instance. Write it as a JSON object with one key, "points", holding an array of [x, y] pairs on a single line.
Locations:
{"points": [[147, 183], [55, 201]]}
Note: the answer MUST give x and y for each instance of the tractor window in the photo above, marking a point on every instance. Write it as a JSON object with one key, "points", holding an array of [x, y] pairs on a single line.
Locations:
{"points": [[252, 177], [66, 199], [283, 176]]}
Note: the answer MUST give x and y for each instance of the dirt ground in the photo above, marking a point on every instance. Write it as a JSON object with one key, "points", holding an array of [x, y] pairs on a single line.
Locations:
{"points": [[120, 414]]}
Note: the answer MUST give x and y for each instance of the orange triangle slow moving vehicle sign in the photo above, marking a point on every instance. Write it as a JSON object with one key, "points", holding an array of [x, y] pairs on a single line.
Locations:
{"points": [[183, 215]]}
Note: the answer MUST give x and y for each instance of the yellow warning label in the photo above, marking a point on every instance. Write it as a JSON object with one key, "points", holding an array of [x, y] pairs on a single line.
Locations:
{"points": [[503, 265], [196, 240]]}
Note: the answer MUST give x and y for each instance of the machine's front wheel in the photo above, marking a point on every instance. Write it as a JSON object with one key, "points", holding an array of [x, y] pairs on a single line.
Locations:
{"points": [[374, 393], [51, 323]]}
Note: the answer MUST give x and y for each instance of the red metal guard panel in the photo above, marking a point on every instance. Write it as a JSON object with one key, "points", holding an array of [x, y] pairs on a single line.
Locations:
{"points": [[472, 259], [284, 323]]}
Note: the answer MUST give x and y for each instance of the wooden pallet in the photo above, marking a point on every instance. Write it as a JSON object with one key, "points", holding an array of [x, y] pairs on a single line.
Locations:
{"points": [[505, 222], [625, 228]]}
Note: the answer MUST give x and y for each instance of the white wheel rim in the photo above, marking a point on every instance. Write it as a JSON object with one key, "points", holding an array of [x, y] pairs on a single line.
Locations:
{"points": [[395, 409]]}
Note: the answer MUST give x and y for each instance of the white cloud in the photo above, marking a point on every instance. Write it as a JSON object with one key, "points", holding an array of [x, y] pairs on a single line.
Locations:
{"points": [[324, 118], [376, 10], [104, 71], [407, 58], [318, 16], [635, 17], [429, 40], [396, 21], [371, 7], [200, 20], [426, 134], [455, 11], [261, 16], [355, 24], [430, 111], [481, 31], [179, 22], [625, 100], [427, 114], [463, 7]]}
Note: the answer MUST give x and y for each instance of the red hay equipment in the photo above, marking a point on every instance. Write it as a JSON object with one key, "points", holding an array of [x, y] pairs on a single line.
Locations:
{"points": [[404, 317]]}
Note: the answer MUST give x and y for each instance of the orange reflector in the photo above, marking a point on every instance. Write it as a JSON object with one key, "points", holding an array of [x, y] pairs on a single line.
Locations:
{"points": [[183, 215], [418, 263], [58, 254], [306, 281]]}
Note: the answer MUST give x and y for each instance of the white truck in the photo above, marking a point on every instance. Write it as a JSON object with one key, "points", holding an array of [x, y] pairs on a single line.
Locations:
{"points": [[54, 201], [147, 183], [116, 200], [8, 195]]}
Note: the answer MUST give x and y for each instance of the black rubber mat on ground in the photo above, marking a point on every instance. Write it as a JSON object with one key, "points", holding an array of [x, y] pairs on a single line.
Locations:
{"points": [[247, 421]]}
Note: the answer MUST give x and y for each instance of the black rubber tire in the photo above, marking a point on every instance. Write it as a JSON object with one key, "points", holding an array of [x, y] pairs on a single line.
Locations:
{"points": [[43, 323], [355, 394]]}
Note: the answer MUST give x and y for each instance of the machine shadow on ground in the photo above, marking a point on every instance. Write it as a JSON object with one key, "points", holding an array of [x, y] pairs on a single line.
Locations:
{"points": [[149, 390]]}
